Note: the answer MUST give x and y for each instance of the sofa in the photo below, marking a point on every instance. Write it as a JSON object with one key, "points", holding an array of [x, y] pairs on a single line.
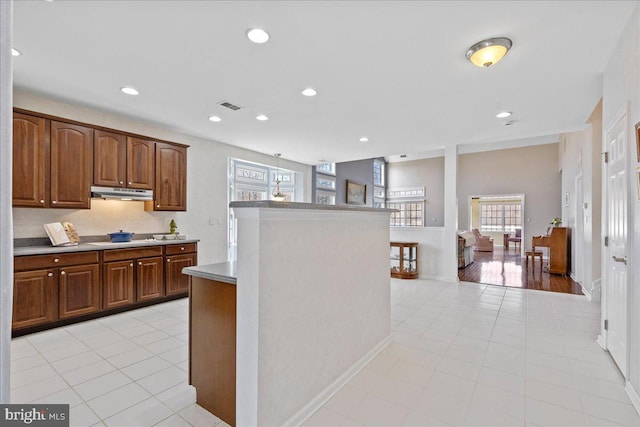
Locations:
{"points": [[466, 240], [483, 243]]}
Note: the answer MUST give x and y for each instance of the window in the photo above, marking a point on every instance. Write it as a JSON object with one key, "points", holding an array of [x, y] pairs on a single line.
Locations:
{"points": [[378, 184], [506, 216], [253, 182], [325, 197], [326, 168], [325, 184], [411, 214], [323, 181]]}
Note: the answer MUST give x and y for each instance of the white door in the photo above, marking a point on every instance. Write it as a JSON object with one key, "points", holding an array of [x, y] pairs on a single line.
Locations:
{"points": [[615, 255], [578, 236]]}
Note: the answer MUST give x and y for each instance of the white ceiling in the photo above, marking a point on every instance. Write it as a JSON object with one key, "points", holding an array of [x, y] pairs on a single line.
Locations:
{"points": [[393, 71]]}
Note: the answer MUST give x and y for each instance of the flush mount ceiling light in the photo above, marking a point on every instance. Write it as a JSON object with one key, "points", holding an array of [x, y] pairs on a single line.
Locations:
{"points": [[309, 92], [364, 139], [215, 119], [262, 117], [503, 114], [258, 35], [487, 52], [129, 90], [15, 52]]}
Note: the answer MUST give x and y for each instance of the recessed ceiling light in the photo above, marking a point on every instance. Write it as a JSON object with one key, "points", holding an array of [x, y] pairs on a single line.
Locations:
{"points": [[364, 139], [262, 117], [258, 35], [309, 92], [15, 52], [215, 119], [129, 90], [503, 114]]}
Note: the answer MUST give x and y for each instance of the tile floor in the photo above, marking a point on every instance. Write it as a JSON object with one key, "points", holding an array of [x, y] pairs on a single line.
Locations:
{"points": [[465, 355]]}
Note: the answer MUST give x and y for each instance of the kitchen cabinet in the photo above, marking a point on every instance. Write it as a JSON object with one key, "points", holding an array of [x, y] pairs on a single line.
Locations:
{"points": [[133, 274], [140, 163], [35, 298], [120, 161], [170, 189], [71, 165], [52, 287], [117, 284], [178, 257], [30, 142]]}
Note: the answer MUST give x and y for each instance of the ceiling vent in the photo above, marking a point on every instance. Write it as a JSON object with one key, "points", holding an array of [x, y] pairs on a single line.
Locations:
{"points": [[229, 105]]}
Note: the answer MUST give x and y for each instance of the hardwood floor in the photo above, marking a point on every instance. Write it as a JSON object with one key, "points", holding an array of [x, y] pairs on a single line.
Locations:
{"points": [[506, 268]]}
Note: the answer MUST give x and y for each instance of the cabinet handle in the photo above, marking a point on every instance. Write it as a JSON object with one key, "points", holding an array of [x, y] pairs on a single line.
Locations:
{"points": [[139, 262], [157, 206], [182, 248], [41, 201], [168, 260], [62, 273], [130, 183], [56, 260], [131, 265], [53, 202], [49, 274], [121, 182]]}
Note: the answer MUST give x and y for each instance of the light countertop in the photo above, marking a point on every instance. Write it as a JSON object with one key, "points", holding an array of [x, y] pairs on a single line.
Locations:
{"points": [[221, 272], [95, 246]]}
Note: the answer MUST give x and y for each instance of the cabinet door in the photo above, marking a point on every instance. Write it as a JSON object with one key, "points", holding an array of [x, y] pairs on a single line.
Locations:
{"points": [[79, 290], [178, 283], [117, 284], [170, 191], [35, 298], [71, 165], [149, 278], [109, 159], [29, 166], [140, 161]]}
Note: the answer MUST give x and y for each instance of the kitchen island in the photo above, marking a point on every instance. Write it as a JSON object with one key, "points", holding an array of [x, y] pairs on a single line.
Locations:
{"points": [[309, 308]]}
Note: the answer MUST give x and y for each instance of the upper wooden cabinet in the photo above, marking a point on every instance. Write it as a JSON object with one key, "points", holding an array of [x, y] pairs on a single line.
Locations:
{"points": [[30, 143], [121, 161], [140, 163], [170, 190], [71, 165], [109, 159]]}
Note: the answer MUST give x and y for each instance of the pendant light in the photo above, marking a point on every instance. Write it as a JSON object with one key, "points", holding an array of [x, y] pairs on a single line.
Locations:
{"points": [[278, 196], [487, 52]]}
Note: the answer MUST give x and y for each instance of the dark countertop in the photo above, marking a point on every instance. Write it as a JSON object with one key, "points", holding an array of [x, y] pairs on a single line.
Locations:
{"points": [[221, 272], [94, 246]]}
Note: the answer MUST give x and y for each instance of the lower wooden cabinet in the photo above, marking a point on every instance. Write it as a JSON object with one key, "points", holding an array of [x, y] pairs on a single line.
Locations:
{"points": [[178, 283], [149, 279], [52, 288], [35, 298], [117, 284], [79, 290]]}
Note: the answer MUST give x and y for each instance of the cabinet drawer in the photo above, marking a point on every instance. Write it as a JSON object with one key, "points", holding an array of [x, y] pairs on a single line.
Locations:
{"points": [[32, 262], [180, 249], [132, 253]]}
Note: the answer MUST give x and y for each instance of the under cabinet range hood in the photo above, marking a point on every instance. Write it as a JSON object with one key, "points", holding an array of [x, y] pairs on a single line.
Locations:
{"points": [[121, 193]]}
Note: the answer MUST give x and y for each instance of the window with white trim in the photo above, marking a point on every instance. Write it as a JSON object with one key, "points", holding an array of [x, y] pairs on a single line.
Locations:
{"points": [[378, 183], [410, 205], [500, 216]]}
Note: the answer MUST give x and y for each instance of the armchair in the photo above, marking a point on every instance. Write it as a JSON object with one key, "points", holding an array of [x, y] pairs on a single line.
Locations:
{"points": [[483, 243]]}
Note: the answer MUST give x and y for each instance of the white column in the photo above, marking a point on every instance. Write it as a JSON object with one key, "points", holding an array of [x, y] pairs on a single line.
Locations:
{"points": [[6, 227], [450, 242]]}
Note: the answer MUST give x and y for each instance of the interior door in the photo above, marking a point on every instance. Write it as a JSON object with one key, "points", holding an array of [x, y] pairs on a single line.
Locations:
{"points": [[615, 259]]}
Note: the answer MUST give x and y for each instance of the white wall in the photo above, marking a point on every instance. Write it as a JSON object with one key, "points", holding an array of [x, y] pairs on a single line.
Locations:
{"points": [[579, 154], [621, 84], [207, 189]]}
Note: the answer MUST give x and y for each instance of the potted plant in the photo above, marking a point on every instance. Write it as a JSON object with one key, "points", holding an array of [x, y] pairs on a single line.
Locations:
{"points": [[556, 221]]}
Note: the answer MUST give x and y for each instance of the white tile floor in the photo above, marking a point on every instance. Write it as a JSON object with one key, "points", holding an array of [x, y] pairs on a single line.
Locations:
{"points": [[465, 355]]}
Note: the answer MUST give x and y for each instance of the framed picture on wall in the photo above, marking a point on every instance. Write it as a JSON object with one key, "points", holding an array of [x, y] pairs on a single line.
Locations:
{"points": [[356, 193], [638, 141]]}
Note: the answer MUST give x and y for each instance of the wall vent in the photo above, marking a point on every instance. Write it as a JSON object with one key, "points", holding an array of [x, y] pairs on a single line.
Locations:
{"points": [[229, 105]]}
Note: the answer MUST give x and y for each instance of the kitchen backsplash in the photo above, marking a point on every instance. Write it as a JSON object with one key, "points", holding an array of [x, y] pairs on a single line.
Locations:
{"points": [[105, 216]]}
